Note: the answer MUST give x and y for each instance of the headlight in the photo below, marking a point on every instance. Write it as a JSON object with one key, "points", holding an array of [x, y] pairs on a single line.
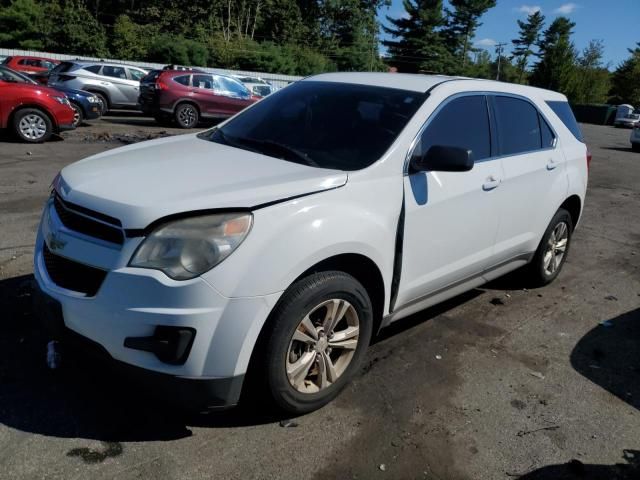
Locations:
{"points": [[93, 99], [186, 248], [62, 100]]}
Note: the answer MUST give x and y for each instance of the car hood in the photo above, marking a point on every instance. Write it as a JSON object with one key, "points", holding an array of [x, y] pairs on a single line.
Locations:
{"points": [[144, 182]]}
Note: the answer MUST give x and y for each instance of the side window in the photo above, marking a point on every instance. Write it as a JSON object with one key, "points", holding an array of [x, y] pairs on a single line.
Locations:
{"points": [[203, 81], [93, 69], [548, 138], [518, 126], [115, 72], [135, 74], [182, 80], [233, 86], [464, 123], [23, 61]]}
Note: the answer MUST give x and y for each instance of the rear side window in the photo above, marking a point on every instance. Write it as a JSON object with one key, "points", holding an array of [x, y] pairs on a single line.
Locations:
{"points": [[464, 123], [182, 80], [115, 72], [564, 112], [518, 126], [94, 68]]}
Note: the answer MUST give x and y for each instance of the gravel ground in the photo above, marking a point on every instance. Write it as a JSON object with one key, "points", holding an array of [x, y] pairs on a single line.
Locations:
{"points": [[543, 384]]}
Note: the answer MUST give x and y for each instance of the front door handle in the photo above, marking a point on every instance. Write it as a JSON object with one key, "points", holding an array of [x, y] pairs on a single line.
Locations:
{"points": [[551, 164], [490, 183]]}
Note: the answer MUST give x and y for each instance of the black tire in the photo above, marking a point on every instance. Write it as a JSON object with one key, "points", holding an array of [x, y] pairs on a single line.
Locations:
{"points": [[538, 272], [78, 115], [186, 115], [104, 103], [298, 301], [40, 127], [635, 147]]}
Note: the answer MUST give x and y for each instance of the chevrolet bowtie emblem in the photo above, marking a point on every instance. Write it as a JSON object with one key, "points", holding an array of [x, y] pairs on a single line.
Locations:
{"points": [[54, 242]]}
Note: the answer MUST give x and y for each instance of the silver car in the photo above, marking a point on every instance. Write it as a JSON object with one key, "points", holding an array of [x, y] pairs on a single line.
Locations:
{"points": [[116, 85]]}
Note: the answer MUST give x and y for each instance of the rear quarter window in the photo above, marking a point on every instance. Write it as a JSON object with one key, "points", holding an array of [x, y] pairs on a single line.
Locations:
{"points": [[182, 80], [564, 112], [93, 68]]}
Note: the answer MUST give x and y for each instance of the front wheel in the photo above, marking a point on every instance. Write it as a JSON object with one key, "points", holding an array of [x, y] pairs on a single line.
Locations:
{"points": [[321, 331], [553, 249], [78, 116], [32, 125]]}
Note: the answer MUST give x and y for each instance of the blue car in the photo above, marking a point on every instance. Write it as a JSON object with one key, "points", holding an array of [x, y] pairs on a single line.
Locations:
{"points": [[85, 104]]}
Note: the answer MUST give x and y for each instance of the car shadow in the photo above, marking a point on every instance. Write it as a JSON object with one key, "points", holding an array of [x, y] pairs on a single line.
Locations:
{"points": [[576, 470], [619, 149], [609, 356]]}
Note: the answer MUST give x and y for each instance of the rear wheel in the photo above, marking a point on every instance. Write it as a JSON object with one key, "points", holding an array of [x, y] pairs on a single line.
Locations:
{"points": [[320, 333], [186, 115], [32, 125], [553, 249], [78, 116]]}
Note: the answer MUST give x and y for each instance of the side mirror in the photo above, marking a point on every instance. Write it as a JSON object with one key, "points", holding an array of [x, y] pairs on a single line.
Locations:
{"points": [[441, 158]]}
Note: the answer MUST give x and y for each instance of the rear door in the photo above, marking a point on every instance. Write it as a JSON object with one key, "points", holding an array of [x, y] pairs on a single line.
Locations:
{"points": [[203, 89], [451, 218], [535, 181], [120, 88]]}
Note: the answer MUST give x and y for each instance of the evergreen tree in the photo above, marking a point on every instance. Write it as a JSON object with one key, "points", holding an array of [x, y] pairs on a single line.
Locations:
{"points": [[592, 77], [556, 68], [529, 36], [462, 23], [419, 45], [625, 82]]}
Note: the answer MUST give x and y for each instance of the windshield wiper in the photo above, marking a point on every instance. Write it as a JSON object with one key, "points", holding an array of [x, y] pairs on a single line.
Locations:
{"points": [[265, 147]]}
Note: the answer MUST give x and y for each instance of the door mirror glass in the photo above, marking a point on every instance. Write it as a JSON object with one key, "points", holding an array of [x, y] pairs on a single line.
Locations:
{"points": [[442, 158]]}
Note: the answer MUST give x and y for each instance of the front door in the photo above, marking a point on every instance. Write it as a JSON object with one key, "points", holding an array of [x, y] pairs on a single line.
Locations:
{"points": [[451, 218]]}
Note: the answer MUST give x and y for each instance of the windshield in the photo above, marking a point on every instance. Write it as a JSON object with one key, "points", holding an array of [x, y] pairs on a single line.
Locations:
{"points": [[323, 124], [11, 76]]}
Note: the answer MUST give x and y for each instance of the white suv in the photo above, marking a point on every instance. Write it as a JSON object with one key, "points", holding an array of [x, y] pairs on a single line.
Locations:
{"points": [[272, 247]]}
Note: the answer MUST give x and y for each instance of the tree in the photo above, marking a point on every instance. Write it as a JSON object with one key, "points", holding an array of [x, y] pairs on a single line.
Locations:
{"points": [[625, 82], [22, 24], [462, 23], [130, 41], [74, 29], [419, 44], [523, 45], [592, 77], [556, 68]]}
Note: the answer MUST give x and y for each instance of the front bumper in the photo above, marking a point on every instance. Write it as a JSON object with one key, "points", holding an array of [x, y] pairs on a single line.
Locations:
{"points": [[134, 302]]}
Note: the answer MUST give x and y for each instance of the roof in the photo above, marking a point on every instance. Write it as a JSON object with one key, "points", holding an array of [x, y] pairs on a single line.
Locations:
{"points": [[422, 83]]}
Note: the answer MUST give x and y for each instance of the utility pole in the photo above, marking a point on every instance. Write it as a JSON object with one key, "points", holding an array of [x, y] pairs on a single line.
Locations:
{"points": [[499, 47]]}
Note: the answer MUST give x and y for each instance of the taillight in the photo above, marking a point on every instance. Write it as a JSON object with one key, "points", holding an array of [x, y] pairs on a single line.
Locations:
{"points": [[160, 85], [588, 159]]}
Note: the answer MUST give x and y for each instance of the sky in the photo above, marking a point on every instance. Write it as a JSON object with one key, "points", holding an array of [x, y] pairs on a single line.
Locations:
{"points": [[615, 22]]}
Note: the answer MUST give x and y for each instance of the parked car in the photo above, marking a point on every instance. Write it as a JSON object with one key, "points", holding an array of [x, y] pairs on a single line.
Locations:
{"points": [[627, 116], [257, 86], [33, 112], [635, 138], [280, 241], [116, 85], [186, 97], [86, 105], [30, 65]]}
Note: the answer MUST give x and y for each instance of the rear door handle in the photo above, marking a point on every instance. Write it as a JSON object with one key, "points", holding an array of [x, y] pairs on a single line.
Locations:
{"points": [[490, 183], [551, 164]]}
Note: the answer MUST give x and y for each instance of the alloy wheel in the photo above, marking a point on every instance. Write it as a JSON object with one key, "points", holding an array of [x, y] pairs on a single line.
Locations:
{"points": [[556, 248], [322, 346], [187, 116], [32, 126]]}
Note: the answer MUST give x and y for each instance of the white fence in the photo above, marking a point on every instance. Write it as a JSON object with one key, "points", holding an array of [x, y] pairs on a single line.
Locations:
{"points": [[275, 79]]}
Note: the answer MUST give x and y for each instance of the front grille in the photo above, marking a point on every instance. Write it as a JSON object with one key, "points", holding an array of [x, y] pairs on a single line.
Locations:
{"points": [[73, 220], [73, 275]]}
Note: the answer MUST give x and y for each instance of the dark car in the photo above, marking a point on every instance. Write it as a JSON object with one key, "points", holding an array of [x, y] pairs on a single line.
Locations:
{"points": [[86, 105], [186, 97]]}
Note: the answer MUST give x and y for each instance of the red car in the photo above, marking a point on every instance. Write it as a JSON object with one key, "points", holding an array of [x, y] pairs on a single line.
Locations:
{"points": [[34, 112], [30, 65], [187, 96]]}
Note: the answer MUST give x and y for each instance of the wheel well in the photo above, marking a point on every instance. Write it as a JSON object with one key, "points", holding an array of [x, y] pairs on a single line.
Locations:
{"points": [[572, 205], [362, 269], [35, 107]]}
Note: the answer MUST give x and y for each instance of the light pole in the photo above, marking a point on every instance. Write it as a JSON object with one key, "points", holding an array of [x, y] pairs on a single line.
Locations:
{"points": [[499, 52]]}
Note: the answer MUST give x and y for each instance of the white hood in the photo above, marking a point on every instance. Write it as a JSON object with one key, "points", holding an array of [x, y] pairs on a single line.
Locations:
{"points": [[141, 183]]}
